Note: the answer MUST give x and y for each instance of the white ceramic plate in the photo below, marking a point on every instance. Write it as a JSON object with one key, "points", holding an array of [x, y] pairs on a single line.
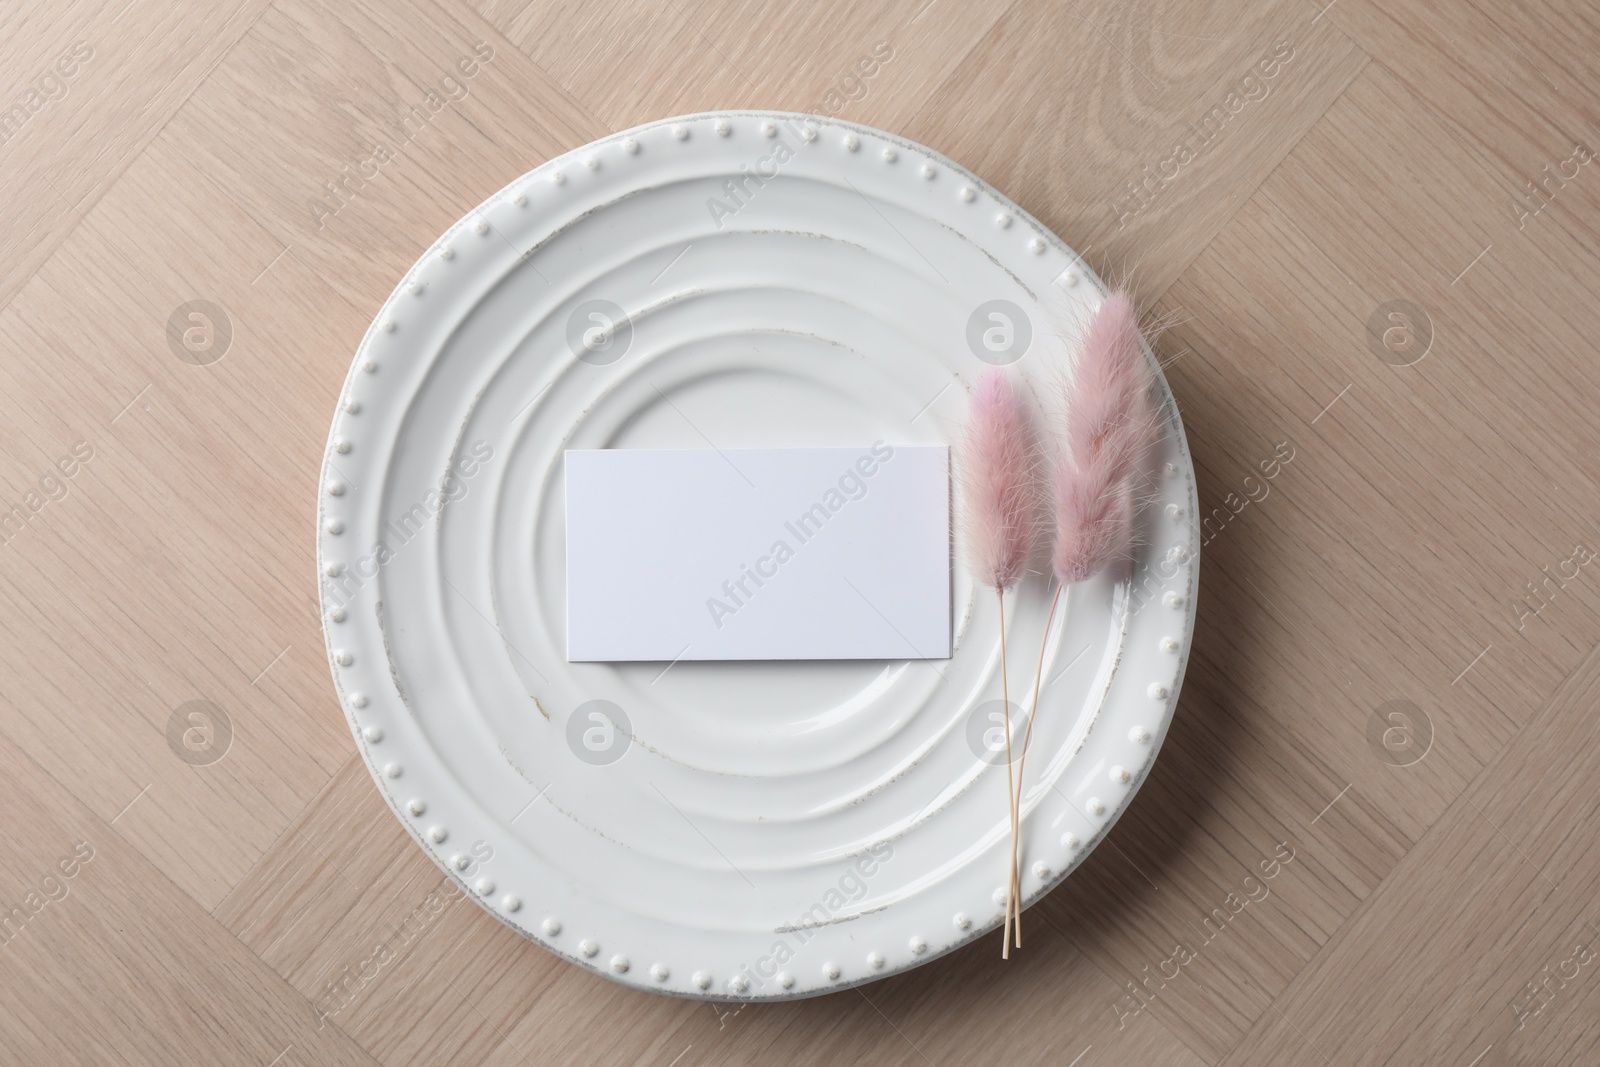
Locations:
{"points": [[733, 830]]}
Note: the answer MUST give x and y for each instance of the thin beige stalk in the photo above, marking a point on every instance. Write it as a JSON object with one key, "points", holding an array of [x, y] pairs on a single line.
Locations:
{"points": [[1013, 895], [1005, 715]]}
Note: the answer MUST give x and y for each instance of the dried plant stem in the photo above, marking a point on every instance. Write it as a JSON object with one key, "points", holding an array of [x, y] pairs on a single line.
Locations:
{"points": [[1005, 714], [1013, 900]]}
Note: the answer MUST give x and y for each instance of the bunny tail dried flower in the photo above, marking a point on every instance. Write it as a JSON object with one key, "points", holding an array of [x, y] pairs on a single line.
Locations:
{"points": [[1110, 429], [998, 480], [1003, 508]]}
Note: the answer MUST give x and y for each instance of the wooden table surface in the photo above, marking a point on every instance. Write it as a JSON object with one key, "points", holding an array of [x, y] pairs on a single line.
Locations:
{"points": [[1378, 227]]}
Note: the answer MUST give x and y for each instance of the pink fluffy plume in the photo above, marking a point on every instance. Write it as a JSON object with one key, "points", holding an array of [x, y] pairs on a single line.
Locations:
{"points": [[999, 483], [1110, 429]]}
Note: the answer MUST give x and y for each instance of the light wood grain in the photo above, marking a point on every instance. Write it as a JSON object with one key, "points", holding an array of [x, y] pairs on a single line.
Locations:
{"points": [[1439, 912]]}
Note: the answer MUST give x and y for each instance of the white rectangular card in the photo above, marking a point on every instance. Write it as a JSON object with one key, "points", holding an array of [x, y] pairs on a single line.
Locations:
{"points": [[767, 553]]}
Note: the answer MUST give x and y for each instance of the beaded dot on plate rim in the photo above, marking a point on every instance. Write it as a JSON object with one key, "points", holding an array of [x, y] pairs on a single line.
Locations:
{"points": [[509, 902]]}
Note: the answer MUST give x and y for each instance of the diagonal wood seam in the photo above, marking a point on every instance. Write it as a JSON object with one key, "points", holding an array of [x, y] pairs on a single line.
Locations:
{"points": [[183, 893], [1564, 691], [129, 159]]}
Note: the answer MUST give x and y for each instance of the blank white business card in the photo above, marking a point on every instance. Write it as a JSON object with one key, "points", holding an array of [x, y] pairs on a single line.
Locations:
{"points": [[768, 553]]}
